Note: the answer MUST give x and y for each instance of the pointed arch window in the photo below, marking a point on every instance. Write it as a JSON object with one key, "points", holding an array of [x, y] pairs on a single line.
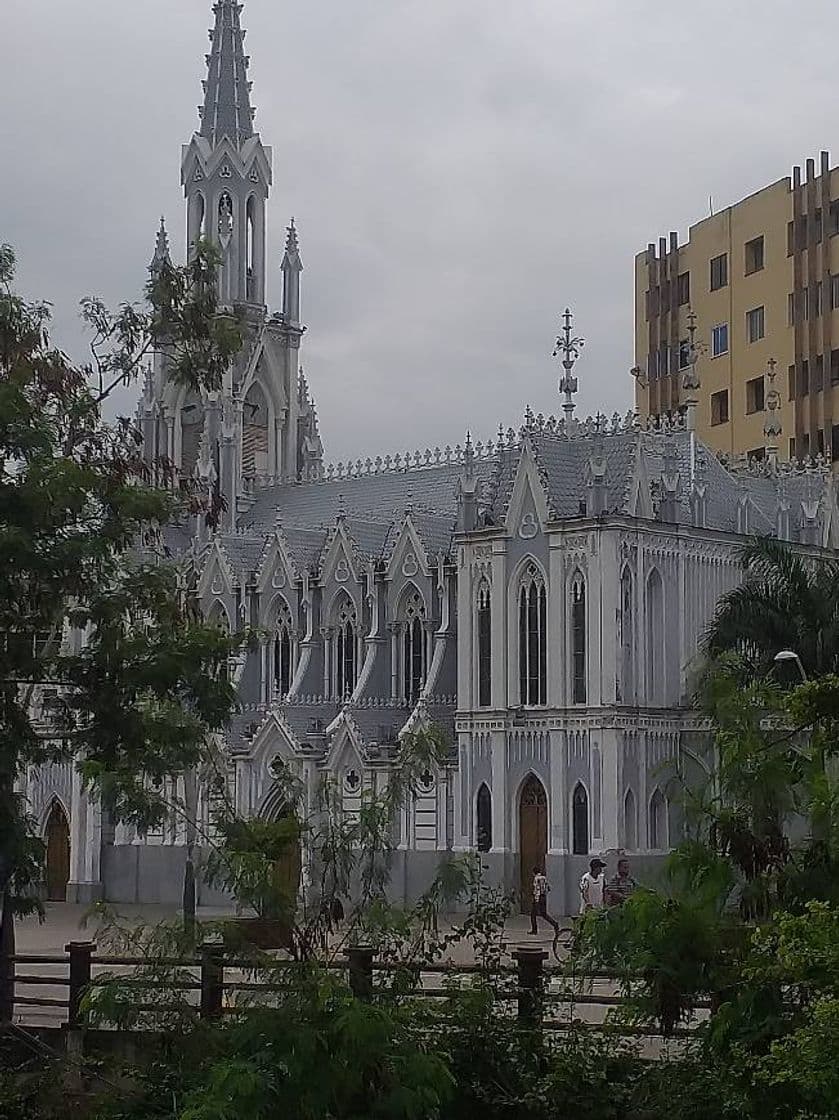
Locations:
{"points": [[655, 639], [346, 649], [578, 640], [192, 425], [413, 647], [630, 822], [484, 647], [255, 432], [282, 652], [484, 821], [659, 838], [626, 680], [533, 638], [579, 821]]}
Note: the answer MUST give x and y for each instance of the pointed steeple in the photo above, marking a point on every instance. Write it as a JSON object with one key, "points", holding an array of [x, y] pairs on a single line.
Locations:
{"points": [[161, 250], [227, 91]]}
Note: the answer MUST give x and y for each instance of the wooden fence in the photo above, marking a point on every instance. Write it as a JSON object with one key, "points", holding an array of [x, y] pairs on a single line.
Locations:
{"points": [[214, 977]]}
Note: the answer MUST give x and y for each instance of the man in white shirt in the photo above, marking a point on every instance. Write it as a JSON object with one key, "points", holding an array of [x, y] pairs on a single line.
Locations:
{"points": [[592, 887]]}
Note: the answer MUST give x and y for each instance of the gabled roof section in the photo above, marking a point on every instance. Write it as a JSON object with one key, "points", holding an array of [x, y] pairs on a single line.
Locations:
{"points": [[227, 107]]}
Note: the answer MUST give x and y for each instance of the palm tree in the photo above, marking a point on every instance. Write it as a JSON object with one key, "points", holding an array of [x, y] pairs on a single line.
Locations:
{"points": [[786, 601]]}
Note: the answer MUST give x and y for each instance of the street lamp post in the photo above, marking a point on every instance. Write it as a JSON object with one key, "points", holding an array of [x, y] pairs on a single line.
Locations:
{"points": [[790, 655]]}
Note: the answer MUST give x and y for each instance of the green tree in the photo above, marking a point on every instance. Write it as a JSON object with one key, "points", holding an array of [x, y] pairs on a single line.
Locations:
{"points": [[103, 659], [786, 601]]}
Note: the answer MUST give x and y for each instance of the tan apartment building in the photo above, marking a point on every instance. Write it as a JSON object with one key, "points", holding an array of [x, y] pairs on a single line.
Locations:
{"points": [[760, 280]]}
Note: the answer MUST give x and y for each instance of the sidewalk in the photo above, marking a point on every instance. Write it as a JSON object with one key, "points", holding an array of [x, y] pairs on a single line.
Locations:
{"points": [[65, 922]]}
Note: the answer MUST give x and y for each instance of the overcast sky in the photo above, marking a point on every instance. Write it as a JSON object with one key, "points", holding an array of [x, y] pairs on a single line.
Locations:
{"points": [[460, 170]]}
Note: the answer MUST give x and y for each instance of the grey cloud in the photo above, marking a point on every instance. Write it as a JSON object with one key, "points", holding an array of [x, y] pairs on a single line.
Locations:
{"points": [[460, 170]]}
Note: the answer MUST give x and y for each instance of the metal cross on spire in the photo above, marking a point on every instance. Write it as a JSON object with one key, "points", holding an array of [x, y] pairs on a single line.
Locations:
{"points": [[568, 347]]}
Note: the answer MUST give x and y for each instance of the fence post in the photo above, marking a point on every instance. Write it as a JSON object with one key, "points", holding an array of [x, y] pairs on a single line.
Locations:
{"points": [[531, 985], [212, 979], [80, 954], [360, 963]]}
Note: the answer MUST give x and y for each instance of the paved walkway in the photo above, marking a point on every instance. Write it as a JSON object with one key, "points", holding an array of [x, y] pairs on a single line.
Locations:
{"points": [[65, 923]]}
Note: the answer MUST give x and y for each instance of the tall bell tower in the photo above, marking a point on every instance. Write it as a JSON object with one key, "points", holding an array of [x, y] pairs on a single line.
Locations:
{"points": [[226, 169]]}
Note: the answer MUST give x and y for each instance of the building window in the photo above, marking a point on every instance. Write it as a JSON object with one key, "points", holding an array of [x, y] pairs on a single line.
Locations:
{"points": [[683, 288], [281, 653], [719, 407], [791, 309], [719, 271], [834, 443], [579, 821], [630, 822], [833, 218], [755, 395], [658, 822], [790, 238], [755, 325], [484, 647], [834, 292], [684, 353], [834, 367], [345, 650], [655, 639], [818, 374], [757, 453], [817, 299], [626, 690], [805, 445], [533, 643], [804, 378], [484, 829], [719, 340], [754, 255], [791, 375], [578, 640], [817, 225], [804, 296], [413, 646], [820, 442]]}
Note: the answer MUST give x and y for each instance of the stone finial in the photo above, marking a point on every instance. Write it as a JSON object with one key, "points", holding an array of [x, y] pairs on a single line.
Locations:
{"points": [[567, 348], [161, 258]]}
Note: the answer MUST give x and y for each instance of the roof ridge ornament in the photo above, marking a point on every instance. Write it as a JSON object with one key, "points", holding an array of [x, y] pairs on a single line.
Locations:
{"points": [[567, 348]]}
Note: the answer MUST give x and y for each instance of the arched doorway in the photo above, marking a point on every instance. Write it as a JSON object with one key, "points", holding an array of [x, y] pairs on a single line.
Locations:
{"points": [[288, 867], [58, 854], [533, 835], [579, 821], [484, 829]]}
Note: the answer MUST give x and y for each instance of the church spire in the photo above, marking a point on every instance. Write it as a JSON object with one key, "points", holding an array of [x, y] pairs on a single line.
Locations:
{"points": [[227, 92], [161, 251]]}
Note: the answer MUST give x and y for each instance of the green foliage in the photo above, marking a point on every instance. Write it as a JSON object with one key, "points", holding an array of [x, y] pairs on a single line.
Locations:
{"points": [[82, 552]]}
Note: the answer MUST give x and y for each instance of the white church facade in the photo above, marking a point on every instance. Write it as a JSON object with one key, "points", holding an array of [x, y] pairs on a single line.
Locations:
{"points": [[541, 596]]}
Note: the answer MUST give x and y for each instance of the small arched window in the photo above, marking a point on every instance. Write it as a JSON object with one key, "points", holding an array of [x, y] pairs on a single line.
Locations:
{"points": [[659, 838], [533, 638], [484, 647], [413, 647], [630, 821], [578, 640], [579, 821], [346, 649], [282, 652], [255, 432], [484, 829]]}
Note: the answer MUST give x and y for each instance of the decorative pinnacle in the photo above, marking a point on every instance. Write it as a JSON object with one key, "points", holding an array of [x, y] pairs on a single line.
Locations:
{"points": [[227, 107], [161, 250], [568, 347], [690, 378], [291, 259]]}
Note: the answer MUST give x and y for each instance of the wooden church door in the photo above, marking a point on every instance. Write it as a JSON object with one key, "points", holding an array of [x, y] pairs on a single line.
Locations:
{"points": [[533, 835], [58, 854]]}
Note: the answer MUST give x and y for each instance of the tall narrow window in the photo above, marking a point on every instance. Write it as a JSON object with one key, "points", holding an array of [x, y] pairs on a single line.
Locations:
{"points": [[484, 829], [578, 640], [658, 822], [630, 822], [345, 650], [413, 646], [579, 821], [282, 653], [655, 639], [484, 648], [626, 692], [533, 638]]}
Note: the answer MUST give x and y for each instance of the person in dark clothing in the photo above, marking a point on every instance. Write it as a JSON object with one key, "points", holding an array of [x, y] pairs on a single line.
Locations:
{"points": [[539, 902]]}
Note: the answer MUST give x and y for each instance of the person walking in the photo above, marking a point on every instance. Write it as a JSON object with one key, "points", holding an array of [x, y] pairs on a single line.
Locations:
{"points": [[539, 902], [592, 887], [620, 886]]}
